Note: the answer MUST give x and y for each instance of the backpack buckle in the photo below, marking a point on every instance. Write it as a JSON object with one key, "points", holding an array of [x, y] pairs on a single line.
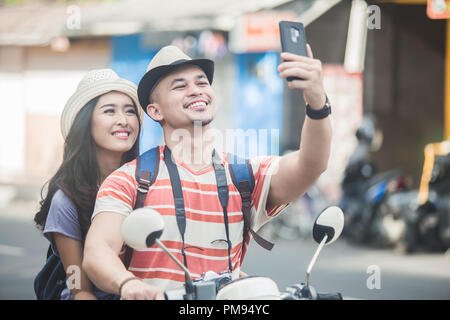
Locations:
{"points": [[143, 185], [144, 182]]}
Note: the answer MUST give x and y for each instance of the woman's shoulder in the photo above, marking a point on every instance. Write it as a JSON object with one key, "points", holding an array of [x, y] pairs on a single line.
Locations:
{"points": [[62, 218], [61, 200]]}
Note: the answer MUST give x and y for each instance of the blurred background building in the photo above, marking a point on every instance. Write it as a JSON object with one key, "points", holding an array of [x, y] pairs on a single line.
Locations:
{"points": [[396, 72]]}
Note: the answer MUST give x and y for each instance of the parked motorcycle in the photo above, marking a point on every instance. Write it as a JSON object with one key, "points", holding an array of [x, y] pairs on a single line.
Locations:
{"points": [[428, 223], [395, 217], [144, 226], [368, 215], [368, 219]]}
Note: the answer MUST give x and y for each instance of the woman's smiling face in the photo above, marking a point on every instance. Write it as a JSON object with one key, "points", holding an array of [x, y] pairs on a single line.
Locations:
{"points": [[115, 124]]}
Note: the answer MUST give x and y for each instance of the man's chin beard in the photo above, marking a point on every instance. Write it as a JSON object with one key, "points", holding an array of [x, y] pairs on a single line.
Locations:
{"points": [[202, 122]]}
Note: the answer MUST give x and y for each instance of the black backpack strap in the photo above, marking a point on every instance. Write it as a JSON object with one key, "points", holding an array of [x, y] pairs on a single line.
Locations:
{"points": [[177, 197], [147, 166], [242, 175], [222, 190], [222, 187], [49, 251]]}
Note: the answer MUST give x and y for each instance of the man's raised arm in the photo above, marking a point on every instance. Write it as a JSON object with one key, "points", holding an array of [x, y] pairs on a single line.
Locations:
{"points": [[299, 170]]}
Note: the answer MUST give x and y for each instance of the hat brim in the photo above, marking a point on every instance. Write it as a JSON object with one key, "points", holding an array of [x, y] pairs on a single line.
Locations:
{"points": [[81, 97], [152, 77]]}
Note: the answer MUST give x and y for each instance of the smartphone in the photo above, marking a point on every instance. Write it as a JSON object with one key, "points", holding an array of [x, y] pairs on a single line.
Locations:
{"points": [[293, 40]]}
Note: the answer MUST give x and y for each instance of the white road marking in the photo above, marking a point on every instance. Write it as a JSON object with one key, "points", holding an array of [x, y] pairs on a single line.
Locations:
{"points": [[11, 250]]}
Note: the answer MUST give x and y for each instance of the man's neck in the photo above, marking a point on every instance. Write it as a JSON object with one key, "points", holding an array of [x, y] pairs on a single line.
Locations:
{"points": [[191, 146]]}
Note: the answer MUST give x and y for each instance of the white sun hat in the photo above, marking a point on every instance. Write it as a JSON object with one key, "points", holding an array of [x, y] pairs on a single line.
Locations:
{"points": [[95, 83]]}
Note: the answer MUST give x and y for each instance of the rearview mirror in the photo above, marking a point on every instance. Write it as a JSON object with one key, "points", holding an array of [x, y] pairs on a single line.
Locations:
{"points": [[141, 228], [330, 222]]}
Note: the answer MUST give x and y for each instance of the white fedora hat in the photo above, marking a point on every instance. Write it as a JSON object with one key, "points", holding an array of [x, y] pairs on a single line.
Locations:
{"points": [[165, 61], [95, 83]]}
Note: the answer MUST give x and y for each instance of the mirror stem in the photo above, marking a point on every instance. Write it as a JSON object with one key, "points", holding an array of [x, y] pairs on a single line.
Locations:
{"points": [[186, 271], [313, 261]]}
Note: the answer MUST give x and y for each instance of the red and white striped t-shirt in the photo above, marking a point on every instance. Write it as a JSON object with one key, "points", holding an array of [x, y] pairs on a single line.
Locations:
{"points": [[204, 218]]}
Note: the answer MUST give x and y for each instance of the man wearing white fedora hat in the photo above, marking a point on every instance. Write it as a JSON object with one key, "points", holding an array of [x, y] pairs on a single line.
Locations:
{"points": [[176, 92]]}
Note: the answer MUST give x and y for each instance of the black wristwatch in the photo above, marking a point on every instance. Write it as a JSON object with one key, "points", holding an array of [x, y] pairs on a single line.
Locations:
{"points": [[319, 114]]}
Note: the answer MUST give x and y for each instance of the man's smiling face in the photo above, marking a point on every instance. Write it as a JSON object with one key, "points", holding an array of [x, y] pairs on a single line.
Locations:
{"points": [[182, 98]]}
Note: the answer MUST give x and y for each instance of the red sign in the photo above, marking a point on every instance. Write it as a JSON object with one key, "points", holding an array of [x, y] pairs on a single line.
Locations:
{"points": [[438, 9], [259, 32]]}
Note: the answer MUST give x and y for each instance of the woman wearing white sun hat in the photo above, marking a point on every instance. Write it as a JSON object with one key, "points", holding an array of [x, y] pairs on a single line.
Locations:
{"points": [[100, 124]]}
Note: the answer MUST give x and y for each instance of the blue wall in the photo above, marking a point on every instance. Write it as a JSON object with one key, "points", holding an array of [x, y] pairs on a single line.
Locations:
{"points": [[258, 98], [129, 59]]}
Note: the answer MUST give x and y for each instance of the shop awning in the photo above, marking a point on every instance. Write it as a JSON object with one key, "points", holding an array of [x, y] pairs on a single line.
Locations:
{"points": [[38, 24]]}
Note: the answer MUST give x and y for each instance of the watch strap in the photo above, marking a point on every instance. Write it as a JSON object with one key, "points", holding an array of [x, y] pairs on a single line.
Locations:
{"points": [[321, 113]]}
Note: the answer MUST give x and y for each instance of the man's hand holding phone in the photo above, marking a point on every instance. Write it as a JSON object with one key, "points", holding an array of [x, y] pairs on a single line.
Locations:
{"points": [[310, 71]]}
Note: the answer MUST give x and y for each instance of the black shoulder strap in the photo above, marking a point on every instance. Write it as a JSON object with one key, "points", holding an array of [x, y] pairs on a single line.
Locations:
{"points": [[147, 166], [49, 251], [177, 197], [222, 187], [222, 190]]}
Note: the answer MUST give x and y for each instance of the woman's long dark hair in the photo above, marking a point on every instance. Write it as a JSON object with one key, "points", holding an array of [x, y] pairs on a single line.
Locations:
{"points": [[79, 174]]}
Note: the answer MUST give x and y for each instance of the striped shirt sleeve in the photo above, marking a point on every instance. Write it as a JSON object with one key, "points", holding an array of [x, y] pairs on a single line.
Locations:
{"points": [[118, 192], [263, 168]]}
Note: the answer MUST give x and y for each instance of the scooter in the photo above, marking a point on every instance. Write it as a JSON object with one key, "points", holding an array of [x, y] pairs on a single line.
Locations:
{"points": [[428, 224], [365, 192], [144, 226], [365, 221]]}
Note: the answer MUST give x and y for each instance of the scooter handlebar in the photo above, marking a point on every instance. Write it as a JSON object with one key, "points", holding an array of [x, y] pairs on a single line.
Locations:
{"points": [[180, 294], [329, 296], [303, 292]]}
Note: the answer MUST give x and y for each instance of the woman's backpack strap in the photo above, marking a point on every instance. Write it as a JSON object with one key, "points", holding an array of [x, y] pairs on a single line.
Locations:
{"points": [[147, 166]]}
